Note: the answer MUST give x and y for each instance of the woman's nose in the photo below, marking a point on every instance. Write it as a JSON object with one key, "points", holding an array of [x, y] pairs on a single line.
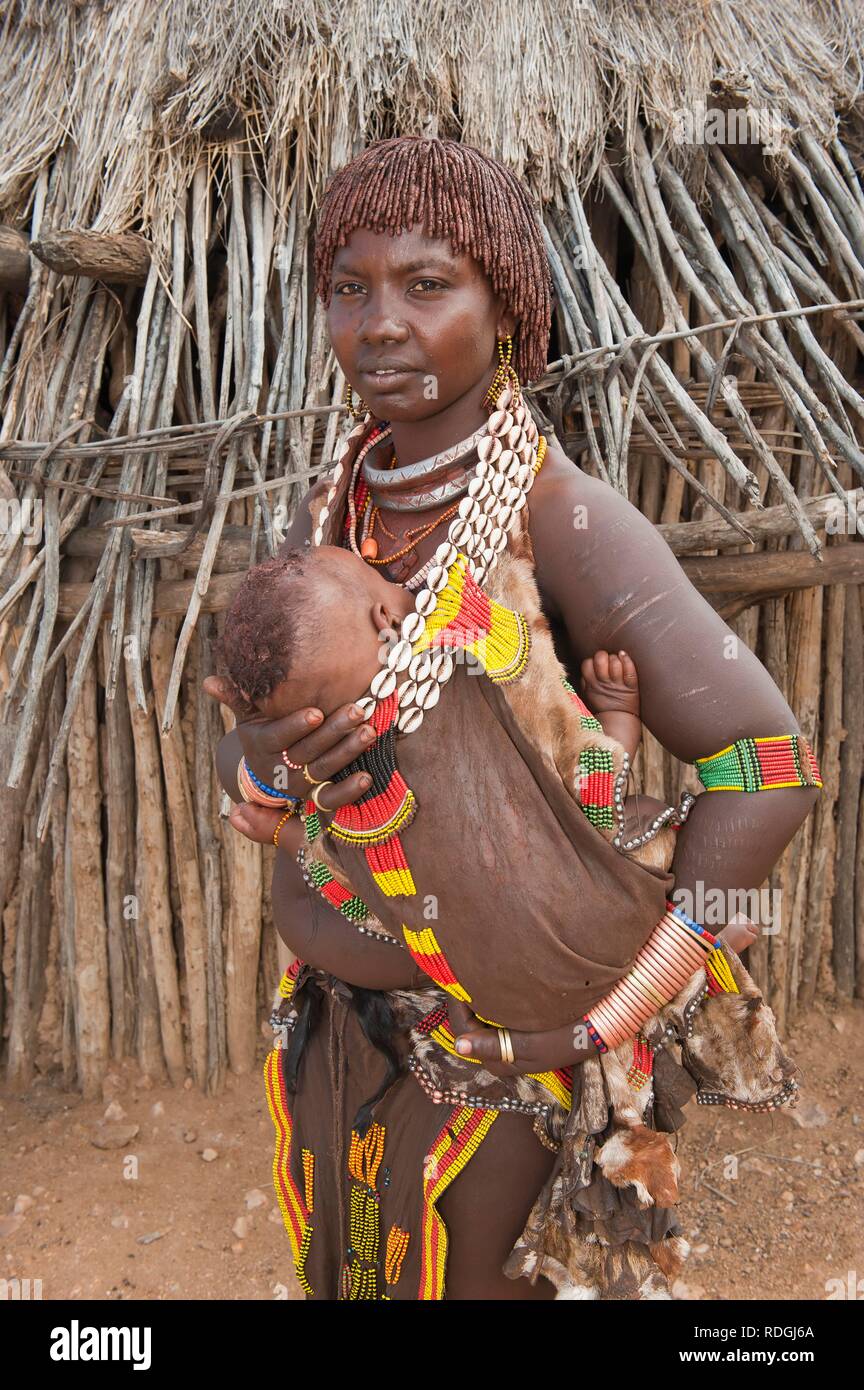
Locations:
{"points": [[380, 320]]}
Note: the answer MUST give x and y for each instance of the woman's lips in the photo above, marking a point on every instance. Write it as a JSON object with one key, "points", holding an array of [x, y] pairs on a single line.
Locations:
{"points": [[389, 380]]}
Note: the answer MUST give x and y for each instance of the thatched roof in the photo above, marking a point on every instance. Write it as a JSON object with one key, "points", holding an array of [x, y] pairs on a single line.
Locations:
{"points": [[136, 90]]}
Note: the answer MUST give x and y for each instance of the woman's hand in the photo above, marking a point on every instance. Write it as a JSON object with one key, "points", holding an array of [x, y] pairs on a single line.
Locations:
{"points": [[533, 1052], [259, 823], [326, 746]]}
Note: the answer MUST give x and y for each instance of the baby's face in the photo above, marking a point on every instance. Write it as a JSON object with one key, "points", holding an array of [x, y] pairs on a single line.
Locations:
{"points": [[349, 604]]}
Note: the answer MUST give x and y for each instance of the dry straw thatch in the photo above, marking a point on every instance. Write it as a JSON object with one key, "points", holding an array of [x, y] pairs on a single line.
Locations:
{"points": [[168, 392]]}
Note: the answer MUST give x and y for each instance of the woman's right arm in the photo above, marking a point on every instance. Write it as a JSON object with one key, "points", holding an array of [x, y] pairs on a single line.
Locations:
{"points": [[321, 936]]}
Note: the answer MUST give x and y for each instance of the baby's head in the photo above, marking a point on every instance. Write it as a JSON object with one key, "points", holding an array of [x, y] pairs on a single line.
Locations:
{"points": [[305, 629]]}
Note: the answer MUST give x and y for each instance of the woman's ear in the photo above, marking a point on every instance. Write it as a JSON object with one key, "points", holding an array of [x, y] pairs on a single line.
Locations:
{"points": [[507, 324]]}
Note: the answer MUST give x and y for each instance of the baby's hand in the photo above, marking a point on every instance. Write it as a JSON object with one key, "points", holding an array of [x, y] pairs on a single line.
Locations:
{"points": [[739, 934], [610, 683]]}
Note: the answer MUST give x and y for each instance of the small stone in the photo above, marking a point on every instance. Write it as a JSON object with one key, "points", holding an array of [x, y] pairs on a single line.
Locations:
{"points": [[146, 1083], [113, 1136], [157, 1110], [39, 1190], [111, 1085], [120, 1223], [237, 1248], [240, 1228], [209, 1155], [809, 1114], [254, 1198], [149, 1239], [755, 1164], [787, 1196], [189, 1136], [858, 1159], [115, 1111], [701, 1249], [275, 1216], [22, 1203], [725, 1241], [187, 1084], [839, 1024]]}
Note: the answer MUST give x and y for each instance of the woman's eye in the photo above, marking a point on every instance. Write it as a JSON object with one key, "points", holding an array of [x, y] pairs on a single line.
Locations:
{"points": [[434, 284], [351, 285]]}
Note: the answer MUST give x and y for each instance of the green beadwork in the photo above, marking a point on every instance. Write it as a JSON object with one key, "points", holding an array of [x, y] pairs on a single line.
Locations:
{"points": [[587, 721], [597, 760]]}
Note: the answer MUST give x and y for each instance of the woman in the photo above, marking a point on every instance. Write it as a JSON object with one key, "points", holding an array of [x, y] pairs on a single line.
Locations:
{"points": [[430, 260]]}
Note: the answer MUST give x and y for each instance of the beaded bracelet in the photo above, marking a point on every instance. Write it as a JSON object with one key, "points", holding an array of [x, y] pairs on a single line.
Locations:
{"points": [[292, 811], [254, 790], [263, 787]]}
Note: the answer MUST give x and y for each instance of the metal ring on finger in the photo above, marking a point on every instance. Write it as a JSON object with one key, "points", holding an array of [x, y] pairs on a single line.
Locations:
{"points": [[313, 781], [316, 792], [505, 1043]]}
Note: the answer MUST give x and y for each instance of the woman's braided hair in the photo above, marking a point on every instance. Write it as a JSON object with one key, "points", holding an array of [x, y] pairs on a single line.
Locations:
{"points": [[457, 192]]}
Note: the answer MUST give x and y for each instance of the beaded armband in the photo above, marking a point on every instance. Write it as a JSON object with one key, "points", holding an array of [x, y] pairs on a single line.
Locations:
{"points": [[760, 764]]}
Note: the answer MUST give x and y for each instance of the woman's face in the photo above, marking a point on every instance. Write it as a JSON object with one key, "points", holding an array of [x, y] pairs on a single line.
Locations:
{"points": [[413, 326]]}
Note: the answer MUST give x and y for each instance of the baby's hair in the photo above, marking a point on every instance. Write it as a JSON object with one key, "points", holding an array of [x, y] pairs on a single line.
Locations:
{"points": [[263, 633], [454, 191]]}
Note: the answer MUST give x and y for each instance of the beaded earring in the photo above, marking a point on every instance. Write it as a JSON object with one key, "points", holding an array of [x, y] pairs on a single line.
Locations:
{"points": [[505, 374], [348, 402]]}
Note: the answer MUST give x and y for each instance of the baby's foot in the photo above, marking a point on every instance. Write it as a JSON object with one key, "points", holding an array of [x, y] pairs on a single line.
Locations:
{"points": [[739, 935], [610, 684]]}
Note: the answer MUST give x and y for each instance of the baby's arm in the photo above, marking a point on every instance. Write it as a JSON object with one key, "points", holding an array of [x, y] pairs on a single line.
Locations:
{"points": [[610, 687]]}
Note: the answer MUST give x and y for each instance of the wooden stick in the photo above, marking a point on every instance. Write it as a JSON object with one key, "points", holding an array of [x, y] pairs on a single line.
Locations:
{"points": [[178, 804], [84, 890], [153, 905]]}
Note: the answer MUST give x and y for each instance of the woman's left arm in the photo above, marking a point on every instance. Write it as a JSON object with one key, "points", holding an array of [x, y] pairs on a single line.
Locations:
{"points": [[613, 583]]}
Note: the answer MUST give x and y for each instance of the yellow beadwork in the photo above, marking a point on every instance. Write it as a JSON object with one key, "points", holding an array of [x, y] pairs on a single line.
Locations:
{"points": [[364, 1155], [428, 954], [360, 1276], [295, 1207], [503, 651], [719, 967], [397, 1245], [446, 1159], [308, 1159]]}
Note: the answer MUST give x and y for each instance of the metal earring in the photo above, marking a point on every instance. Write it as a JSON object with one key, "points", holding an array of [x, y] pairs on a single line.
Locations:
{"points": [[505, 374], [348, 402]]}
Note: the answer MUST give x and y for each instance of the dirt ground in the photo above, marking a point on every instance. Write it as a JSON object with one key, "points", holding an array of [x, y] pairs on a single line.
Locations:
{"points": [[772, 1204]]}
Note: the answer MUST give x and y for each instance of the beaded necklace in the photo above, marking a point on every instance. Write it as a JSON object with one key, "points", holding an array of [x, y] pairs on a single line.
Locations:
{"points": [[450, 610]]}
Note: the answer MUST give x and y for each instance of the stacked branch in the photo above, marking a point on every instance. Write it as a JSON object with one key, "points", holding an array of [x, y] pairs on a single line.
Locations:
{"points": [[168, 394]]}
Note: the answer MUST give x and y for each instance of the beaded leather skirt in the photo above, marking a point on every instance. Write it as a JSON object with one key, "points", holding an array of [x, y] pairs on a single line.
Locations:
{"points": [[362, 1208]]}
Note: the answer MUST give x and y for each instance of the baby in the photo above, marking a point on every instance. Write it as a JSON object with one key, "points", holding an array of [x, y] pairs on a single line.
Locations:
{"points": [[308, 629]]}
